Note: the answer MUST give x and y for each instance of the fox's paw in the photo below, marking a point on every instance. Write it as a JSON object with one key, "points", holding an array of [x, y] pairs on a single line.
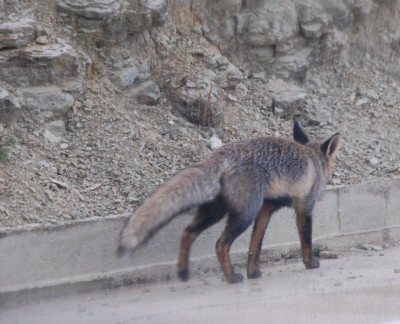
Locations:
{"points": [[254, 274], [236, 278], [312, 264], [183, 274]]}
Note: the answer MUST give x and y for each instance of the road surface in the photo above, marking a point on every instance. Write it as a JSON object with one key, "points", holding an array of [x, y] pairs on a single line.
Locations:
{"points": [[358, 287]]}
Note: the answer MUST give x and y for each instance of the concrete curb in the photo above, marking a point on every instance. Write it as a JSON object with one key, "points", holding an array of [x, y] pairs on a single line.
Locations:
{"points": [[80, 256]]}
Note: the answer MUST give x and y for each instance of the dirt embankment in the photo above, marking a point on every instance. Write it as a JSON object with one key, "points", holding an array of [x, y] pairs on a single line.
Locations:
{"points": [[101, 102]]}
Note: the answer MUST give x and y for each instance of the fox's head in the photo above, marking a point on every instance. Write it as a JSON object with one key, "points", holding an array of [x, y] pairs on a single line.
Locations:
{"points": [[326, 151]]}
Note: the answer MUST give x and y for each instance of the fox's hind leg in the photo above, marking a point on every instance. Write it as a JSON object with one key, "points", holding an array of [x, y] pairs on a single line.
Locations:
{"points": [[244, 198], [236, 225], [260, 225], [304, 227], [264, 215], [207, 215]]}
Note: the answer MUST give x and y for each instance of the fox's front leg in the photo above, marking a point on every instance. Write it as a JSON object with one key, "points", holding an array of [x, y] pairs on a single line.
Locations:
{"points": [[304, 227]]}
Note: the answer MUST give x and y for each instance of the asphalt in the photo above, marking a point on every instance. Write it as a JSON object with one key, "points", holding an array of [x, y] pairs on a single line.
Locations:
{"points": [[80, 256], [358, 287]]}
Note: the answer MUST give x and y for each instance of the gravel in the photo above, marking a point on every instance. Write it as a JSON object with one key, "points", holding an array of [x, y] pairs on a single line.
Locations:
{"points": [[115, 151]]}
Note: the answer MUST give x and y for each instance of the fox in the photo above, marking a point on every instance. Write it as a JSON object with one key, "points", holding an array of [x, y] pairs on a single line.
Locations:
{"points": [[246, 181]]}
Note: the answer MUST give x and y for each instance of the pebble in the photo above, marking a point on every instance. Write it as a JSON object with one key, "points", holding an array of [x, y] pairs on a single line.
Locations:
{"points": [[371, 94], [215, 143], [93, 187], [88, 104], [51, 138], [374, 161], [133, 158], [241, 91], [232, 98], [132, 199], [59, 183], [197, 29], [328, 255], [42, 40], [77, 104], [370, 247], [362, 102]]}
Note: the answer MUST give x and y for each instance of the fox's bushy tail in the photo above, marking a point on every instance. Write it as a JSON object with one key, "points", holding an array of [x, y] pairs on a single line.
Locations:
{"points": [[191, 187]]}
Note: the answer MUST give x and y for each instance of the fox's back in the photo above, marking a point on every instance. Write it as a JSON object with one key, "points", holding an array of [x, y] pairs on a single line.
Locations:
{"points": [[268, 153], [280, 167]]}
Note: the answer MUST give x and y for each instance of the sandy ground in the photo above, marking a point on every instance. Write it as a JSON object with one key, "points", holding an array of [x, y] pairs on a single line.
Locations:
{"points": [[358, 287]]}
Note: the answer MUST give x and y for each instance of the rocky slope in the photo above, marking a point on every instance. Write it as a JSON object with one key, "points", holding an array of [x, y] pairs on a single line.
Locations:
{"points": [[101, 101]]}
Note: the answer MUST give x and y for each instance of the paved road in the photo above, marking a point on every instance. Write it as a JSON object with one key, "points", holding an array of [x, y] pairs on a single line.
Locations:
{"points": [[359, 287]]}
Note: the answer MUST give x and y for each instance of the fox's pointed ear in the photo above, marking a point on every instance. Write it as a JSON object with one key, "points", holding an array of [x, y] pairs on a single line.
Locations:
{"points": [[298, 134], [331, 146]]}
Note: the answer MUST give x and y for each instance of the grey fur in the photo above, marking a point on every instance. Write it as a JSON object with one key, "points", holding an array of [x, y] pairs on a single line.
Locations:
{"points": [[242, 172]]}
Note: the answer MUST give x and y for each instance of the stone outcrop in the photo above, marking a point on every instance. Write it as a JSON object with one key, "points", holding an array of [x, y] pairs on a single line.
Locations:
{"points": [[9, 106], [17, 33], [102, 20], [111, 21], [40, 65], [48, 76], [285, 95], [147, 93], [142, 14], [199, 100], [99, 9], [222, 72], [264, 39], [281, 37], [49, 72], [49, 101]]}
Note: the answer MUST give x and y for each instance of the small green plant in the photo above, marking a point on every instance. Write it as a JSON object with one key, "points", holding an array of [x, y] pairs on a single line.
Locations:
{"points": [[9, 141], [317, 250], [3, 153]]}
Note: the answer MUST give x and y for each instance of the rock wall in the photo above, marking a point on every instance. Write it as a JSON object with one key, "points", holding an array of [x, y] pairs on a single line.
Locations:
{"points": [[197, 52], [47, 51], [286, 37]]}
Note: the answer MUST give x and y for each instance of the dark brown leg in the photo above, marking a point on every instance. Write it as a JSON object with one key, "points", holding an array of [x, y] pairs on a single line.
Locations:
{"points": [[304, 227], [222, 248], [236, 226], [207, 215], [187, 239], [260, 225]]}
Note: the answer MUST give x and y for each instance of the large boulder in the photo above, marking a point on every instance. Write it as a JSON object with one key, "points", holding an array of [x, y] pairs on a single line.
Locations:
{"points": [[141, 14], [17, 32], [110, 21], [286, 95], [274, 22], [101, 19], [50, 101], [222, 72], [33, 66], [91, 9], [9, 106], [199, 100]]}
